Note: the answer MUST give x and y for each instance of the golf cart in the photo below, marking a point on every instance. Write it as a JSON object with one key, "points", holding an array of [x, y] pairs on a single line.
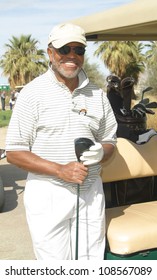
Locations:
{"points": [[131, 228], [130, 177]]}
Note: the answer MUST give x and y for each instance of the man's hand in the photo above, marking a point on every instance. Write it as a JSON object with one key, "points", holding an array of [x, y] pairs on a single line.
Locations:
{"points": [[93, 155], [73, 172]]}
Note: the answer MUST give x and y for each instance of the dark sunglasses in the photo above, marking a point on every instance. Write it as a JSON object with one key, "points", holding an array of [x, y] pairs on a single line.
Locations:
{"points": [[67, 49]]}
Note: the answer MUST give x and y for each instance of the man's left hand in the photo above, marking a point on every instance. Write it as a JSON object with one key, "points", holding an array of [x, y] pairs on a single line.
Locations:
{"points": [[93, 155]]}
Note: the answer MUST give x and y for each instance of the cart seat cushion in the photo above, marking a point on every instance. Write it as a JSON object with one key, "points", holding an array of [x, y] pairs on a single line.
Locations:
{"points": [[131, 160], [132, 228]]}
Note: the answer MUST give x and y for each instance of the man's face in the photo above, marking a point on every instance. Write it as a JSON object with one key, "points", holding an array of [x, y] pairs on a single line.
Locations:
{"points": [[66, 66]]}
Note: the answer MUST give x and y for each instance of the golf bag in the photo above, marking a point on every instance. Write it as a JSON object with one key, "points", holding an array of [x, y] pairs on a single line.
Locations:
{"points": [[120, 93], [132, 123]]}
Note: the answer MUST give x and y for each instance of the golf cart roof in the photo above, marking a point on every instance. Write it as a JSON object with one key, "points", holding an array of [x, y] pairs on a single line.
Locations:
{"points": [[135, 21]]}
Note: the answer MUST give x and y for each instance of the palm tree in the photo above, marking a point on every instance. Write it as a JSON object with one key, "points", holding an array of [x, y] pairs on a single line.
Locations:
{"points": [[94, 74], [23, 61], [151, 65], [151, 52], [122, 58]]}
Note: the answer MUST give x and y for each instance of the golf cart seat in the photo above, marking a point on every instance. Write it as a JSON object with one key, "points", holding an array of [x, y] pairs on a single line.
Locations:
{"points": [[131, 229]]}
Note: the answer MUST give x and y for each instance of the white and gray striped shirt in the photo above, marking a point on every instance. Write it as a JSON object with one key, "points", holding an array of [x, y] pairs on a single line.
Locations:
{"points": [[46, 120]]}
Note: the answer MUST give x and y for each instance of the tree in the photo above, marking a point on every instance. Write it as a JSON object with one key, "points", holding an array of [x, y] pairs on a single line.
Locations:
{"points": [[94, 74], [151, 65], [122, 58], [23, 61]]}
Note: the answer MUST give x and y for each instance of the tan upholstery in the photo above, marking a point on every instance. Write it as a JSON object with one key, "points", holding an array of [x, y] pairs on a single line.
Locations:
{"points": [[131, 161], [132, 228]]}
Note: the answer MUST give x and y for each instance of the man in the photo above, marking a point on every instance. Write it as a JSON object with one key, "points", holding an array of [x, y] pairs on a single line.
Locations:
{"points": [[51, 112], [3, 96]]}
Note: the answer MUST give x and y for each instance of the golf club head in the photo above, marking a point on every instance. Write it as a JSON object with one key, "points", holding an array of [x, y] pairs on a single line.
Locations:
{"points": [[113, 79], [147, 89], [152, 104], [139, 110], [149, 111], [127, 82], [81, 145], [145, 101], [141, 107], [136, 113]]}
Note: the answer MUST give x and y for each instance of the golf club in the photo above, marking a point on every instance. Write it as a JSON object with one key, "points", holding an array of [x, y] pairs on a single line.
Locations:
{"points": [[152, 104], [145, 101], [141, 108], [127, 91], [145, 90], [136, 113], [81, 145], [149, 111]]}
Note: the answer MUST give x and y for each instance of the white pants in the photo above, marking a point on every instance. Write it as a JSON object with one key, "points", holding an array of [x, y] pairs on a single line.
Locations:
{"points": [[51, 216]]}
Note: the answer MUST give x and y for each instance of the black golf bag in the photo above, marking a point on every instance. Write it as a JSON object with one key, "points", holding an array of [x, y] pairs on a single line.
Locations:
{"points": [[132, 123]]}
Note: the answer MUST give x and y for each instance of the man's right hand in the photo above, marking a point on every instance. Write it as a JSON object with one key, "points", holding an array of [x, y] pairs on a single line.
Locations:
{"points": [[73, 172]]}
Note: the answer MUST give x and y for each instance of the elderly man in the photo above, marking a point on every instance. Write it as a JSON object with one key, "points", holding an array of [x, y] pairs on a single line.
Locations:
{"points": [[51, 112]]}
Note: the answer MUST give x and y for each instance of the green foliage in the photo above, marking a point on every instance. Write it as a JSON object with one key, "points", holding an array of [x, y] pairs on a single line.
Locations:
{"points": [[122, 58], [5, 117], [94, 74], [22, 61], [151, 65]]}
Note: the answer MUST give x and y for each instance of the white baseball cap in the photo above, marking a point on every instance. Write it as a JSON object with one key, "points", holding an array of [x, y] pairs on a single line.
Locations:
{"points": [[66, 33]]}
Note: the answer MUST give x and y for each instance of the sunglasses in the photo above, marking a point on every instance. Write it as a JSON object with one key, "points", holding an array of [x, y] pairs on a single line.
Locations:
{"points": [[67, 49]]}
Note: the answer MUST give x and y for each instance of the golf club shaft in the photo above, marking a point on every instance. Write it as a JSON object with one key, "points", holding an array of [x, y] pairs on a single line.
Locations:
{"points": [[77, 222], [81, 144]]}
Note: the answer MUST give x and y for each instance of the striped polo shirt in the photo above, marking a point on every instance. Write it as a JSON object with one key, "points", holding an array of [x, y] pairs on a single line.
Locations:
{"points": [[46, 120]]}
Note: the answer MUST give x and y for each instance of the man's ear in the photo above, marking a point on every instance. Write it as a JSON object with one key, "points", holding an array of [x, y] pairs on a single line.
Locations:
{"points": [[49, 51]]}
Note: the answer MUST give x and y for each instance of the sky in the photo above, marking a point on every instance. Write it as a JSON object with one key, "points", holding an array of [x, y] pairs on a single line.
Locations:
{"points": [[37, 17]]}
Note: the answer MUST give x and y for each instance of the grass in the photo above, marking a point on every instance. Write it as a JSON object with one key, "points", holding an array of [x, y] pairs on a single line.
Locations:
{"points": [[152, 120], [5, 117]]}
